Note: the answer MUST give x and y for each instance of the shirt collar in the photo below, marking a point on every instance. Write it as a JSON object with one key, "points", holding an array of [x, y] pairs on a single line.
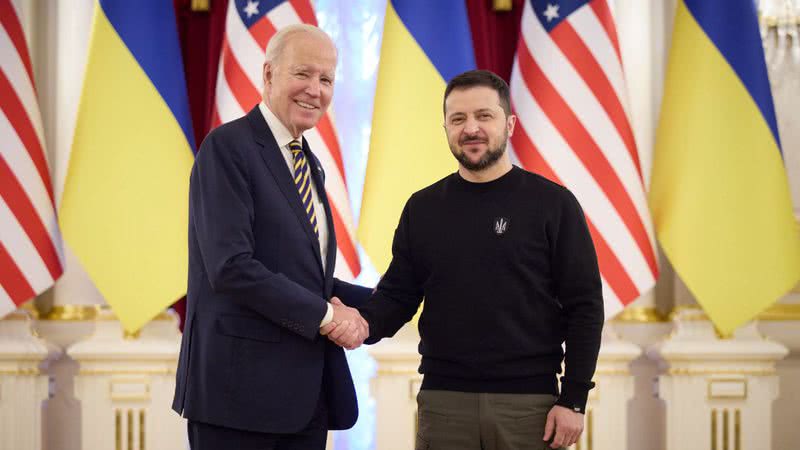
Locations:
{"points": [[282, 135]]}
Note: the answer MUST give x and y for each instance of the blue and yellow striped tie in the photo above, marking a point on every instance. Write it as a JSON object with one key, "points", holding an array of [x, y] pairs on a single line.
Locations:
{"points": [[302, 179]]}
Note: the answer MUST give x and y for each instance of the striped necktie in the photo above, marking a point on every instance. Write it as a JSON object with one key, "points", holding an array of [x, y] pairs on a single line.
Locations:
{"points": [[302, 179]]}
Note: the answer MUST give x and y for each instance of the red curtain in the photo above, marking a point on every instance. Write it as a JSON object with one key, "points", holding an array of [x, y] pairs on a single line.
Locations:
{"points": [[494, 35], [200, 34]]}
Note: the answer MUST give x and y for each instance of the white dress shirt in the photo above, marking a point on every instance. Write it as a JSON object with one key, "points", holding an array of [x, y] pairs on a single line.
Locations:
{"points": [[283, 137]]}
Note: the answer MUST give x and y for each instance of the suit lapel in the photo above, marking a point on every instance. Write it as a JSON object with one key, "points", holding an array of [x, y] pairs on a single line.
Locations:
{"points": [[319, 183], [271, 154]]}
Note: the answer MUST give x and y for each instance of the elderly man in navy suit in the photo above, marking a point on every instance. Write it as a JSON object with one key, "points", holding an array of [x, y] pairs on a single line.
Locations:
{"points": [[256, 370]]}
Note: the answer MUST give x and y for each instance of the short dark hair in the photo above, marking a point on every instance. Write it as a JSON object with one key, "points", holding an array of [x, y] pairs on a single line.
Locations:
{"points": [[472, 78]]}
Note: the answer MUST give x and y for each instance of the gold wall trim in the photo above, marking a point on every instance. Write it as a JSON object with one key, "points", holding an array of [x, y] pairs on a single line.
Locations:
{"points": [[774, 21], [23, 372], [130, 429], [713, 429], [118, 428], [126, 372], [742, 384], [781, 312], [642, 314], [737, 429], [753, 372], [72, 313], [725, 438], [141, 430]]}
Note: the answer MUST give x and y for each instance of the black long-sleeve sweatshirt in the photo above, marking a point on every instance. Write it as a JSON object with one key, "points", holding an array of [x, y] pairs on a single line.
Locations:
{"points": [[508, 272]]}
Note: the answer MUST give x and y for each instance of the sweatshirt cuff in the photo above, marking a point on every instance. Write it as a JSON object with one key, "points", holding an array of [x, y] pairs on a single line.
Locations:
{"points": [[574, 394], [328, 317]]}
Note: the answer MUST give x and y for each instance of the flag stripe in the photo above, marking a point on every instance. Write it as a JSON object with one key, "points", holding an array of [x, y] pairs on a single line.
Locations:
{"points": [[588, 27], [304, 11], [226, 103], [586, 149], [283, 15], [17, 116], [19, 204], [610, 266], [30, 241], [15, 35], [589, 69], [22, 250], [245, 93], [26, 174], [578, 179], [574, 96], [568, 92], [243, 48], [261, 31], [603, 13], [328, 134], [344, 246], [14, 69], [12, 281]]}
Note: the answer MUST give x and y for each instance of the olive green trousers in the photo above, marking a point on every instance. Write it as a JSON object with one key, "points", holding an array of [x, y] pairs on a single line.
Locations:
{"points": [[449, 420]]}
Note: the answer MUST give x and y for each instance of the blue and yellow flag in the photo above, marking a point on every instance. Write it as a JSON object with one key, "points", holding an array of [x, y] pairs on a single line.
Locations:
{"points": [[719, 194], [124, 209], [425, 44]]}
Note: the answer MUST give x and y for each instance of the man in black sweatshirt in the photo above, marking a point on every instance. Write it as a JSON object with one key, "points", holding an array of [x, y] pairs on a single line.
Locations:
{"points": [[508, 271]]}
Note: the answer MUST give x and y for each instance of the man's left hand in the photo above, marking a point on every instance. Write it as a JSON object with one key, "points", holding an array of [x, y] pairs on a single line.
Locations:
{"points": [[567, 425]]}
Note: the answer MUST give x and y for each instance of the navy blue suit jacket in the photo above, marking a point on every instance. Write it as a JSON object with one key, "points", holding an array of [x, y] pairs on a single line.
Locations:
{"points": [[251, 356]]}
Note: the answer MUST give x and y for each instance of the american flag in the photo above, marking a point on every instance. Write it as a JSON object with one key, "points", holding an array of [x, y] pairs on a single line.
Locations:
{"points": [[248, 27], [30, 241], [568, 92]]}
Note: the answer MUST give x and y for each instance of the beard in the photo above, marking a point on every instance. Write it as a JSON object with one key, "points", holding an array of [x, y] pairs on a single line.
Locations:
{"points": [[488, 159]]}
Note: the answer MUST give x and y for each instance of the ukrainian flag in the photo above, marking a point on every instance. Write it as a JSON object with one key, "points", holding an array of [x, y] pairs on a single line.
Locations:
{"points": [[425, 44], [124, 212], [719, 194]]}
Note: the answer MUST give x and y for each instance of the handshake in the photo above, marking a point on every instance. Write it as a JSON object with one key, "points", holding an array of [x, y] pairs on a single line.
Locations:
{"points": [[347, 329]]}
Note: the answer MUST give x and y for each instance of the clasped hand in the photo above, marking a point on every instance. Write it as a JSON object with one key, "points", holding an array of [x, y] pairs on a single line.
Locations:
{"points": [[347, 329]]}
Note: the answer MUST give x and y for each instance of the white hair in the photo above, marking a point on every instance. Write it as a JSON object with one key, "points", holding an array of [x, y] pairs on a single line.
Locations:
{"points": [[277, 44]]}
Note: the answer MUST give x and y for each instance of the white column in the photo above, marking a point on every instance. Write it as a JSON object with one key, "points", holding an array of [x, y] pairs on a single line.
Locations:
{"points": [[718, 392], [125, 385], [395, 388], [606, 420], [22, 387]]}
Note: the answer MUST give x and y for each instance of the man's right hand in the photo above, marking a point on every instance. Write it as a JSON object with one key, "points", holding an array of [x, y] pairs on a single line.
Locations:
{"points": [[347, 329]]}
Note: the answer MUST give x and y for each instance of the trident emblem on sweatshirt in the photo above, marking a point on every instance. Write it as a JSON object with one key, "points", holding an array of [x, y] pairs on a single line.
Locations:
{"points": [[500, 225]]}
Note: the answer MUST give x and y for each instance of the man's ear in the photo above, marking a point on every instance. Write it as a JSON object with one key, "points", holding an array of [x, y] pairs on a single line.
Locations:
{"points": [[267, 73]]}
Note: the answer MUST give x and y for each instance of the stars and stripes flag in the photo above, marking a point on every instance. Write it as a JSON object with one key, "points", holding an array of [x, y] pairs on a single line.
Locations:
{"points": [[30, 241], [568, 92], [248, 27]]}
